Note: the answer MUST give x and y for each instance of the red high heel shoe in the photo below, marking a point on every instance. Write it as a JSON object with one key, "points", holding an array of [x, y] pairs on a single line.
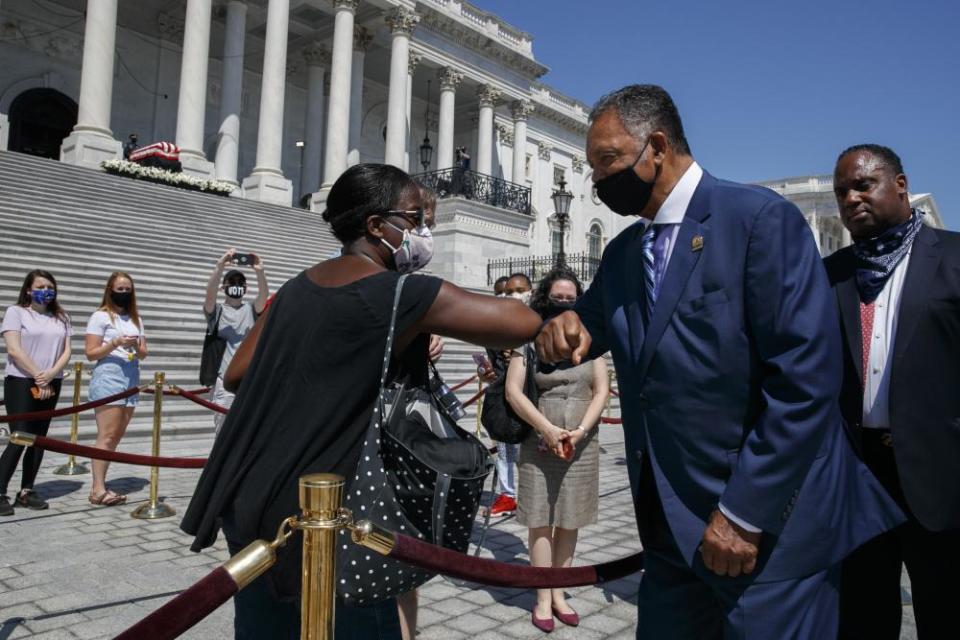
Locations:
{"points": [[544, 624], [569, 619]]}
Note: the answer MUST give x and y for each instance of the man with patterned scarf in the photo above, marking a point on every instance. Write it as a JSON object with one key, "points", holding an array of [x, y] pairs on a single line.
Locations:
{"points": [[898, 288]]}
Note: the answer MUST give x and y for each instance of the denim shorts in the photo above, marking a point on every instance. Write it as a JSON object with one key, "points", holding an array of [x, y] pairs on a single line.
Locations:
{"points": [[111, 376]]}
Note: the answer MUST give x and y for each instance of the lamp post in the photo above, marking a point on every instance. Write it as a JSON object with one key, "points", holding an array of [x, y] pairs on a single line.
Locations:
{"points": [[426, 149], [561, 206]]}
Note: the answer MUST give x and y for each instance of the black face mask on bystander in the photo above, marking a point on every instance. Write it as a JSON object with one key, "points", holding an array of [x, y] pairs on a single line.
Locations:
{"points": [[556, 307], [121, 298]]}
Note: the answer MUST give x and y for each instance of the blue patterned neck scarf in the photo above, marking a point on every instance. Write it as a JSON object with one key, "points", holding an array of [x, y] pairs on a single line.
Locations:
{"points": [[878, 257]]}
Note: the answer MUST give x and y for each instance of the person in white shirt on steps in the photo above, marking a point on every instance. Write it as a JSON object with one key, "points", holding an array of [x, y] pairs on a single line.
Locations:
{"points": [[234, 317]]}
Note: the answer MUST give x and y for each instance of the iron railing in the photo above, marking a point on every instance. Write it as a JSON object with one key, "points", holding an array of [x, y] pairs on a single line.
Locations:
{"points": [[477, 186], [535, 267]]}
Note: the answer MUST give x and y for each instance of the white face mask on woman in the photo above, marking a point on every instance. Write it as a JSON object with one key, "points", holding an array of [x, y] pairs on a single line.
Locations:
{"points": [[523, 297], [415, 250]]}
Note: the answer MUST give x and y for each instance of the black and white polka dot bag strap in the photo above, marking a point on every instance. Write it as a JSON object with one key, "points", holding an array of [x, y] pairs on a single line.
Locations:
{"points": [[388, 350]]}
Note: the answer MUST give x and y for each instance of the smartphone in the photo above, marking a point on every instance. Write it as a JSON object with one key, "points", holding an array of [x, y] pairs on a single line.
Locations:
{"points": [[481, 360], [243, 259]]}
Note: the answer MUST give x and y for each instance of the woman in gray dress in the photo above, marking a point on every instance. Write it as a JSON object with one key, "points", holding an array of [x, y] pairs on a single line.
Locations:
{"points": [[559, 462]]}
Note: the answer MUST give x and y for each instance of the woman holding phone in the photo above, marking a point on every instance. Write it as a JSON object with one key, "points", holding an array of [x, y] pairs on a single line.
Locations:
{"points": [[37, 333], [559, 464], [116, 341]]}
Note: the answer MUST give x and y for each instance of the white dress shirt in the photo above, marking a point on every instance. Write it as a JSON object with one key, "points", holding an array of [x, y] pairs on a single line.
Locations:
{"points": [[876, 379], [674, 208], [671, 214]]}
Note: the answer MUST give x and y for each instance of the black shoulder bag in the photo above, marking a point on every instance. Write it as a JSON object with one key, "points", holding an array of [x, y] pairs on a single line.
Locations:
{"points": [[497, 416], [213, 349], [419, 474]]}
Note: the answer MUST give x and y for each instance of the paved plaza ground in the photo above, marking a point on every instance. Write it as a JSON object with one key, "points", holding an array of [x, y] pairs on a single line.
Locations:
{"points": [[79, 571]]}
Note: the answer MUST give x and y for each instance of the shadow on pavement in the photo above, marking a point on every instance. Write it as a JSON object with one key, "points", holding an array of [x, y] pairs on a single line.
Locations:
{"points": [[53, 489]]}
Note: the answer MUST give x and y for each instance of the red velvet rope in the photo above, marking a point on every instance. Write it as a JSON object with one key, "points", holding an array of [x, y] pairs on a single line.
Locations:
{"points": [[203, 402], [474, 398], [185, 610], [502, 574], [456, 387], [56, 413], [59, 446], [611, 420], [614, 392], [176, 392]]}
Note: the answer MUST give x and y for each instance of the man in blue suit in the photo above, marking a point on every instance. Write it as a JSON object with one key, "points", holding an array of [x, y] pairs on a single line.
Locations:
{"points": [[725, 336]]}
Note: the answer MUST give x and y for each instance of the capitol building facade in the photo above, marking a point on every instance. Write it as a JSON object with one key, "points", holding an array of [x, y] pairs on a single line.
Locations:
{"points": [[279, 97]]}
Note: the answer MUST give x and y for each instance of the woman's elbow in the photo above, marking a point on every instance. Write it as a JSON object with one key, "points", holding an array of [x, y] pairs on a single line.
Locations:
{"points": [[512, 396], [231, 384]]}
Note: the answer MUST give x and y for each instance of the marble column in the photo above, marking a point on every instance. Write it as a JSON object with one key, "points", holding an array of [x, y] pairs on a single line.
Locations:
{"points": [[450, 79], [338, 110], [520, 109], [231, 93], [487, 96], [91, 140], [412, 63], [317, 57], [361, 43], [266, 182], [401, 21], [192, 103]]}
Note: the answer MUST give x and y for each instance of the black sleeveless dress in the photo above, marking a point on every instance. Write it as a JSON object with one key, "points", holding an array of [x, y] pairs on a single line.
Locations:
{"points": [[303, 407]]}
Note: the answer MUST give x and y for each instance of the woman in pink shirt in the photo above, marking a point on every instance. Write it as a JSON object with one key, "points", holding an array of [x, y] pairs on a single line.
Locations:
{"points": [[37, 334]]}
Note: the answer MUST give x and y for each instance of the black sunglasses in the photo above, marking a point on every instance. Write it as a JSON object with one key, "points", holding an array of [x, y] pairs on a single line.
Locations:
{"points": [[416, 217]]}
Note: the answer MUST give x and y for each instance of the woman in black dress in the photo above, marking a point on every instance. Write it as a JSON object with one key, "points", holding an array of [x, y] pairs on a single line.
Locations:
{"points": [[306, 379]]}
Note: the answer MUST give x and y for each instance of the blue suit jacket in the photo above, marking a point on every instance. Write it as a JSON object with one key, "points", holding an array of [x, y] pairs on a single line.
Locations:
{"points": [[731, 393]]}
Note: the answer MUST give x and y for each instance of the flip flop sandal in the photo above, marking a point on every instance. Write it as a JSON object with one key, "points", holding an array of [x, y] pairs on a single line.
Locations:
{"points": [[108, 499]]}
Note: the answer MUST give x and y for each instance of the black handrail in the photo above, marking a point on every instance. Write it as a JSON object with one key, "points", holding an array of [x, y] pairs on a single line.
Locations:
{"points": [[464, 183], [536, 267]]}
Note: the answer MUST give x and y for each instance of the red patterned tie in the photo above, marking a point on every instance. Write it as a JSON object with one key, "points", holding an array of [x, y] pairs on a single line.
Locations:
{"points": [[866, 323]]}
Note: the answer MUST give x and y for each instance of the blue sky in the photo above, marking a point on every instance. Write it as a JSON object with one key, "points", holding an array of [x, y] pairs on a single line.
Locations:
{"points": [[771, 89]]}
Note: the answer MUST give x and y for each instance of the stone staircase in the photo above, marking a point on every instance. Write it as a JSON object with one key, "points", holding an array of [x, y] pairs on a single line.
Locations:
{"points": [[82, 224]]}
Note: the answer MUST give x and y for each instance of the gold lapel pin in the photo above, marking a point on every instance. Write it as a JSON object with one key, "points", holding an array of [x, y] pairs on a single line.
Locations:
{"points": [[697, 243]]}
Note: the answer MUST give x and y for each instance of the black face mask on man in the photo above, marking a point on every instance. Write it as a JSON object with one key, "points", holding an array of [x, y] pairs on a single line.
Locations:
{"points": [[624, 192], [235, 291]]}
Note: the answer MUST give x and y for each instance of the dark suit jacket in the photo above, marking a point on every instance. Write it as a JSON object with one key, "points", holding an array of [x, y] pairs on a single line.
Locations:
{"points": [[924, 373], [731, 393]]}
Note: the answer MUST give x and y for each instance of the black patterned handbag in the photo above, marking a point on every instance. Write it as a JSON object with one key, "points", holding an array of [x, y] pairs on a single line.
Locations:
{"points": [[419, 474], [498, 417]]}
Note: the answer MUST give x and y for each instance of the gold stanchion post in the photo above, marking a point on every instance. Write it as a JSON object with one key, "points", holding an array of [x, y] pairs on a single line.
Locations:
{"points": [[320, 498], [609, 392], [479, 403], [73, 468], [154, 508]]}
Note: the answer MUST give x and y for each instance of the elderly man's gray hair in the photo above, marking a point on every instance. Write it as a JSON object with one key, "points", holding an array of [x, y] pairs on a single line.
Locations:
{"points": [[643, 109]]}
